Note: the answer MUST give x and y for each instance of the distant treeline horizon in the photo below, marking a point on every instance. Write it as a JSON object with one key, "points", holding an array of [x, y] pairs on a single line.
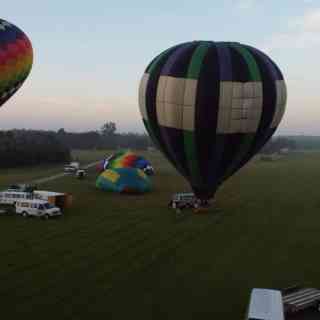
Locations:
{"points": [[19, 147], [291, 143], [27, 147], [105, 137]]}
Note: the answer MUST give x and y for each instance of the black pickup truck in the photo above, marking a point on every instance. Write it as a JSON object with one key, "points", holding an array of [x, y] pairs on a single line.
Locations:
{"points": [[301, 303]]}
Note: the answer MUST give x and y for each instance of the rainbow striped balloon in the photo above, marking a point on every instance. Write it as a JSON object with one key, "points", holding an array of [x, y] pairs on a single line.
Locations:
{"points": [[16, 57]]}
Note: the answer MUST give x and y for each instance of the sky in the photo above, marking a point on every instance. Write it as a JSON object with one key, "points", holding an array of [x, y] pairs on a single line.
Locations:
{"points": [[89, 56]]}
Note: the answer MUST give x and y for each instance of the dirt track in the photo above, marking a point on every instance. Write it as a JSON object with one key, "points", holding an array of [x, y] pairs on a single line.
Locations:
{"points": [[59, 175]]}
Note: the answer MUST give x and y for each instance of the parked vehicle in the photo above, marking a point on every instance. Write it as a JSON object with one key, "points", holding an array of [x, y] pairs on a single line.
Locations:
{"points": [[81, 173], [265, 304], [183, 200], [297, 299], [71, 167], [22, 187], [58, 199], [11, 196], [37, 208]]}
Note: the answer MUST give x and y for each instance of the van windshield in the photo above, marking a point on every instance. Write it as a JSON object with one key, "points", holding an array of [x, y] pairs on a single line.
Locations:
{"points": [[48, 206]]}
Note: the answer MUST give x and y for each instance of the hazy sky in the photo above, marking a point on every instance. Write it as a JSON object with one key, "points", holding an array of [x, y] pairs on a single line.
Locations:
{"points": [[89, 55]]}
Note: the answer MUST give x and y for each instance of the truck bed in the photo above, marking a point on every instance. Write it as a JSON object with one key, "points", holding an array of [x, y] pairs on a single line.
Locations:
{"points": [[301, 303]]}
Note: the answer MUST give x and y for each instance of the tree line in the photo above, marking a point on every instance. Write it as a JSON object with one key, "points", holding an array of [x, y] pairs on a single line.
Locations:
{"points": [[278, 144], [106, 137], [292, 143], [33, 147], [30, 147]]}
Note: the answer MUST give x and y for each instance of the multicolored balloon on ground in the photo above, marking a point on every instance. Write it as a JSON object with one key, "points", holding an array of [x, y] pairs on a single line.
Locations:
{"points": [[16, 57], [124, 180], [126, 159], [210, 107], [102, 165]]}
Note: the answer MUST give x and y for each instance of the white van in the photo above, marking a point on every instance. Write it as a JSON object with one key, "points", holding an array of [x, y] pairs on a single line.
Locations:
{"points": [[38, 208], [71, 167], [265, 304]]}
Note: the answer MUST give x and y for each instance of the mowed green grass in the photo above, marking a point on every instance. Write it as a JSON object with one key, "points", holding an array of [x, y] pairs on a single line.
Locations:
{"points": [[124, 257]]}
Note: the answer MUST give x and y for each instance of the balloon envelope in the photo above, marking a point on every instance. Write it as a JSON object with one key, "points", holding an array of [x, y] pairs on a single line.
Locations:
{"points": [[125, 159], [16, 58], [124, 180], [210, 107]]}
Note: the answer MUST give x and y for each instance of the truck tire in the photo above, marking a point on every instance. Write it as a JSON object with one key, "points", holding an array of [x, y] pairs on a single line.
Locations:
{"points": [[25, 214]]}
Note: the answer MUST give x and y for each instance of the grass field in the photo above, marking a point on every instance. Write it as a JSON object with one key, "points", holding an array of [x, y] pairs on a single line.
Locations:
{"points": [[129, 257]]}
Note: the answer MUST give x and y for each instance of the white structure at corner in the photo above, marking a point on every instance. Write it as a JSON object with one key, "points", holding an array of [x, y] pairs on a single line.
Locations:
{"points": [[265, 304]]}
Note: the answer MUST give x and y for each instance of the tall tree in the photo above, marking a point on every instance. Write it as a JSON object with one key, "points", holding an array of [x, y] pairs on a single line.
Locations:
{"points": [[108, 129]]}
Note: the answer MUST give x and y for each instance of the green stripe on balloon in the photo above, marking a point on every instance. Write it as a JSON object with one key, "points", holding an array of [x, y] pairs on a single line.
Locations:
{"points": [[159, 59], [196, 61], [248, 138], [251, 62], [189, 136]]}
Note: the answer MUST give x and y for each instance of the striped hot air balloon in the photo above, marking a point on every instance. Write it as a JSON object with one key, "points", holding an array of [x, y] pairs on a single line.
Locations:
{"points": [[210, 106], [124, 180], [126, 159], [16, 58]]}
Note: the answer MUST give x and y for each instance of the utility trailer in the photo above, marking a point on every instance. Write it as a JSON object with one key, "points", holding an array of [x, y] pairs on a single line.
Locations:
{"points": [[299, 301], [58, 199]]}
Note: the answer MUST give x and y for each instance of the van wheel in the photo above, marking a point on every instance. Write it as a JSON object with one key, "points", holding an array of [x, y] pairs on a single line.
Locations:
{"points": [[25, 214], [46, 216]]}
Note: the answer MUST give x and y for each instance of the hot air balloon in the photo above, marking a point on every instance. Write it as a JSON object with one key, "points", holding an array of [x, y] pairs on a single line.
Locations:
{"points": [[124, 180], [125, 159], [210, 107], [16, 58]]}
